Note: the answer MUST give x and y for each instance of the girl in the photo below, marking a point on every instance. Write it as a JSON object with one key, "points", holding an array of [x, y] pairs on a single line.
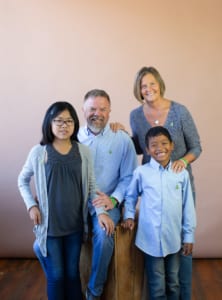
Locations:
{"points": [[64, 180]]}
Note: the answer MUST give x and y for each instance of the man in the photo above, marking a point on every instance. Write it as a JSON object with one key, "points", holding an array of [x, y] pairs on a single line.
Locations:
{"points": [[114, 161]]}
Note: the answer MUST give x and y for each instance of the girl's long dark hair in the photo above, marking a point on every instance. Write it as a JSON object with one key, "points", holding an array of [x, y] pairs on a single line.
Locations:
{"points": [[52, 112]]}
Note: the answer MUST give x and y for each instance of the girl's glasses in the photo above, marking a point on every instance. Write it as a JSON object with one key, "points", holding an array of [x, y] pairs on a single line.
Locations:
{"points": [[61, 122]]}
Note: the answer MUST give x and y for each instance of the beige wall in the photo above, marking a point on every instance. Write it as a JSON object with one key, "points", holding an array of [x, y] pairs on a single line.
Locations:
{"points": [[57, 50]]}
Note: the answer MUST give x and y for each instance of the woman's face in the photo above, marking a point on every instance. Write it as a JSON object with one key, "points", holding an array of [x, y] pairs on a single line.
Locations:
{"points": [[63, 126], [150, 88]]}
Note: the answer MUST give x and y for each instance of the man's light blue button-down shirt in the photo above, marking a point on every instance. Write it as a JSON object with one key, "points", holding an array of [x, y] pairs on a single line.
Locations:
{"points": [[166, 215], [114, 160]]}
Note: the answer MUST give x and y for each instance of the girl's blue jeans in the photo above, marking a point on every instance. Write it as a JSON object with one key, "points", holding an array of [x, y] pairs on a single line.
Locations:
{"points": [[61, 266]]}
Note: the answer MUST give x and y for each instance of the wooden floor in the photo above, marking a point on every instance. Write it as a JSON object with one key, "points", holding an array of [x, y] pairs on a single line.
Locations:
{"points": [[23, 279]]}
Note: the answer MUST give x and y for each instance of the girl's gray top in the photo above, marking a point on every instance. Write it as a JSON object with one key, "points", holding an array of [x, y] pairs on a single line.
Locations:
{"points": [[64, 189]]}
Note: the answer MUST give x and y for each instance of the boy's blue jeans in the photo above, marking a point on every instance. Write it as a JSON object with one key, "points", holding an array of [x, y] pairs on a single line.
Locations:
{"points": [[61, 266], [163, 276], [185, 277], [103, 246]]}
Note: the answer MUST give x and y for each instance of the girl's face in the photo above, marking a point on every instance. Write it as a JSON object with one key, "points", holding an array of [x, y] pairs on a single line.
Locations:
{"points": [[160, 148], [150, 88], [63, 126]]}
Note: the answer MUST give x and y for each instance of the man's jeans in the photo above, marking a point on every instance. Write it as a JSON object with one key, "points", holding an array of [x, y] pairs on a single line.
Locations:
{"points": [[163, 276], [103, 246], [61, 266]]}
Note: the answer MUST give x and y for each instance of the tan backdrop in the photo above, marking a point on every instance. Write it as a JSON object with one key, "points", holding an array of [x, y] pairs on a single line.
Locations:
{"points": [[57, 50]]}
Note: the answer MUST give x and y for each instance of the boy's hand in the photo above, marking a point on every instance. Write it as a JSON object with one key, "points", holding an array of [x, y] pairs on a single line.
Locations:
{"points": [[187, 249], [106, 223], [128, 224]]}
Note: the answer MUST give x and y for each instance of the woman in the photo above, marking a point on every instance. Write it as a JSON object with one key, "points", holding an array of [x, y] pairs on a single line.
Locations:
{"points": [[64, 180], [156, 110]]}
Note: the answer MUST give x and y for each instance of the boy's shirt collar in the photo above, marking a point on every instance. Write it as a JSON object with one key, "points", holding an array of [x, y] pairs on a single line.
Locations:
{"points": [[158, 166]]}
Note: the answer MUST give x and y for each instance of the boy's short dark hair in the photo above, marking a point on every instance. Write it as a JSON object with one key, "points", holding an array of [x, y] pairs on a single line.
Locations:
{"points": [[155, 131]]}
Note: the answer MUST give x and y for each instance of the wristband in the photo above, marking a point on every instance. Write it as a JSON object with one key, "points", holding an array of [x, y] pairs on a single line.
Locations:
{"points": [[184, 160], [114, 201]]}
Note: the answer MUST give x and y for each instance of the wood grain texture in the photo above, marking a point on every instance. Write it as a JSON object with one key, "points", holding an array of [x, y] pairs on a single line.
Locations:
{"points": [[23, 279]]}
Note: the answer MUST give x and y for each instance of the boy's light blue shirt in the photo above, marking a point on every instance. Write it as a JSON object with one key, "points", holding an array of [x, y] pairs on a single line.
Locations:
{"points": [[166, 215], [114, 158]]}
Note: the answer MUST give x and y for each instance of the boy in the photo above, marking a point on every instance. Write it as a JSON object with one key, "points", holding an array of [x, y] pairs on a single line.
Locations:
{"points": [[166, 218]]}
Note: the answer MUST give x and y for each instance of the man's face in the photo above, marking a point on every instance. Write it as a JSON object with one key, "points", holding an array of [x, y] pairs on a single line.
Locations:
{"points": [[96, 112]]}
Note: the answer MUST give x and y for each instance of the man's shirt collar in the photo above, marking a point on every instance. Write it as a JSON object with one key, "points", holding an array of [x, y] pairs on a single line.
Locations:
{"points": [[88, 132]]}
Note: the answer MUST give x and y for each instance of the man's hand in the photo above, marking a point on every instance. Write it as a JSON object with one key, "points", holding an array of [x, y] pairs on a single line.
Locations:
{"points": [[35, 215], [106, 223], [128, 224], [103, 200]]}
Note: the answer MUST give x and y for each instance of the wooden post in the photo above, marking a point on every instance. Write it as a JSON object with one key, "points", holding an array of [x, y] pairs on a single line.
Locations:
{"points": [[126, 270]]}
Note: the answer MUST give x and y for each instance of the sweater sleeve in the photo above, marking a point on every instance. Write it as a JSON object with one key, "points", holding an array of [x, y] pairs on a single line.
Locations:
{"points": [[24, 180], [190, 132], [134, 122]]}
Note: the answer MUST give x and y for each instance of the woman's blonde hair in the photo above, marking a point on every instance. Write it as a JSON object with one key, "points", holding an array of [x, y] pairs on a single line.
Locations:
{"points": [[139, 76]]}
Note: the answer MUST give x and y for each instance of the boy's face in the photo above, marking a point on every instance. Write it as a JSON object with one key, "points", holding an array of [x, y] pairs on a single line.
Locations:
{"points": [[160, 148]]}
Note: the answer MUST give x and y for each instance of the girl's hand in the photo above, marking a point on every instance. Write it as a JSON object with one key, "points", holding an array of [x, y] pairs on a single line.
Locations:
{"points": [[35, 215]]}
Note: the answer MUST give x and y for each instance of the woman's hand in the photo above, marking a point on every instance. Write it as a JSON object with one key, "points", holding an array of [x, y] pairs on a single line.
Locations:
{"points": [[178, 166]]}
